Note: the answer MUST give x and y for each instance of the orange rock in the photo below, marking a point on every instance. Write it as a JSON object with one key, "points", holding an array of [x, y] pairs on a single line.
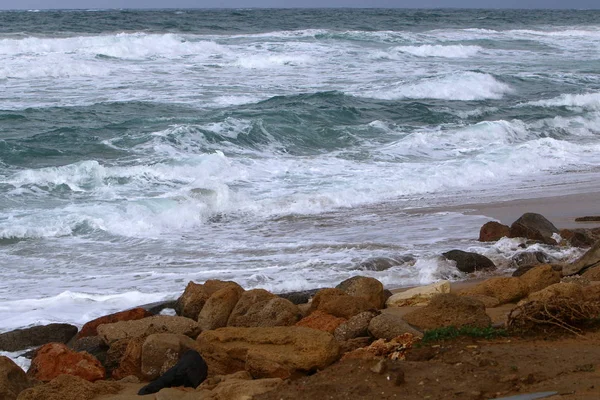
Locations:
{"points": [[131, 361], [54, 359], [321, 321], [90, 328], [493, 231]]}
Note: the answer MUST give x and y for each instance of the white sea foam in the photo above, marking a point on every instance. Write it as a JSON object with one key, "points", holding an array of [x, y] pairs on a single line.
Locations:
{"points": [[589, 101], [444, 51], [270, 61], [459, 86]]}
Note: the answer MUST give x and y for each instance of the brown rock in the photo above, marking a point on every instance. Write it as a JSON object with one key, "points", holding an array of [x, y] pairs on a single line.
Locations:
{"points": [[90, 328], [367, 288], [321, 321], [54, 359], [449, 310], [488, 301], [592, 274], [13, 379], [114, 354], [162, 351], [356, 326], [69, 387], [295, 348], [540, 277], [324, 294], [243, 389], [388, 326], [568, 290], [395, 349], [505, 289], [493, 231], [590, 259], [345, 306], [591, 292], [264, 368], [130, 363], [91, 344], [353, 344], [581, 237], [160, 323], [469, 262], [21, 339], [535, 227], [218, 308], [194, 297], [273, 312], [246, 301]]}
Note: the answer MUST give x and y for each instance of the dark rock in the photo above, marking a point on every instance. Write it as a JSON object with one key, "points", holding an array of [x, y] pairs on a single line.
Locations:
{"points": [[12, 379], [385, 263], [190, 371], [522, 270], [581, 237], [91, 344], [469, 262], [300, 297], [157, 307], [356, 326], [589, 260], [493, 231], [532, 258], [588, 219], [36, 336], [535, 227], [420, 354]]}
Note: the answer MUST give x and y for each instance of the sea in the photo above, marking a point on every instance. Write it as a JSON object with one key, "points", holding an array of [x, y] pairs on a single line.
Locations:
{"points": [[284, 149]]}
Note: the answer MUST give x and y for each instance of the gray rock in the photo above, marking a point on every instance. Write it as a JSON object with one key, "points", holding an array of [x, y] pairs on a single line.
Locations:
{"points": [[21, 339], [300, 297], [389, 326], [589, 260], [91, 344], [469, 262], [356, 326], [535, 227]]}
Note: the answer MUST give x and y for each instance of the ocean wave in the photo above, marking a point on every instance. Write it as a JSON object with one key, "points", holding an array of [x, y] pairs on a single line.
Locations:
{"points": [[270, 61], [589, 101], [443, 51], [465, 86]]}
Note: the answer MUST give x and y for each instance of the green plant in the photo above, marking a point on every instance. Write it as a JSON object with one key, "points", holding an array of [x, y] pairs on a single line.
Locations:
{"points": [[451, 332]]}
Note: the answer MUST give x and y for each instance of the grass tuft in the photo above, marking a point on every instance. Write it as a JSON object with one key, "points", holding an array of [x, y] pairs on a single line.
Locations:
{"points": [[451, 332]]}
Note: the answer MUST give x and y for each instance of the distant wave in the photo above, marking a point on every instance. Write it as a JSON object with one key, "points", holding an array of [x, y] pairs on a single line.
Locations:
{"points": [[450, 51]]}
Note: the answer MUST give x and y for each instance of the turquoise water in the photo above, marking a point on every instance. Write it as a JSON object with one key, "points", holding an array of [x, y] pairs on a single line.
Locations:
{"points": [[278, 148]]}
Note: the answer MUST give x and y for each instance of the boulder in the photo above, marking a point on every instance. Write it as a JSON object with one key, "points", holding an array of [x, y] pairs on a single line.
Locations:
{"points": [[130, 363], [92, 345], [540, 277], [54, 359], [321, 321], [592, 274], [218, 308], [581, 237], [21, 339], [590, 259], [345, 306], [300, 297], [388, 326], [505, 289], [531, 258], [195, 296], [493, 231], [162, 351], [356, 326], [384, 263], [13, 379], [367, 288], [296, 348], [469, 262], [248, 299], [449, 310], [69, 387], [90, 328], [488, 301], [114, 354], [130, 329], [564, 290], [275, 311], [324, 294], [419, 295], [535, 227]]}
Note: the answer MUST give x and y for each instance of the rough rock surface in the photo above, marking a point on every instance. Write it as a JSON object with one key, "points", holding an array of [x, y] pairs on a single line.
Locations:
{"points": [[540, 277], [68, 387], [300, 297], [90, 328], [275, 311], [449, 310], [535, 227], [419, 295], [130, 363], [243, 389], [531, 258], [248, 299], [367, 288], [195, 295], [90, 344], [54, 359], [130, 329], [469, 262], [13, 379], [218, 308], [321, 321], [388, 326], [227, 350], [324, 294], [161, 351], [356, 326], [590, 259], [21, 339], [505, 289], [493, 231], [568, 290], [345, 306], [581, 237], [593, 274]]}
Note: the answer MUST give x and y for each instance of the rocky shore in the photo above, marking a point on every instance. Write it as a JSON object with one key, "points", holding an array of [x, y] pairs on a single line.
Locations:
{"points": [[533, 332]]}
